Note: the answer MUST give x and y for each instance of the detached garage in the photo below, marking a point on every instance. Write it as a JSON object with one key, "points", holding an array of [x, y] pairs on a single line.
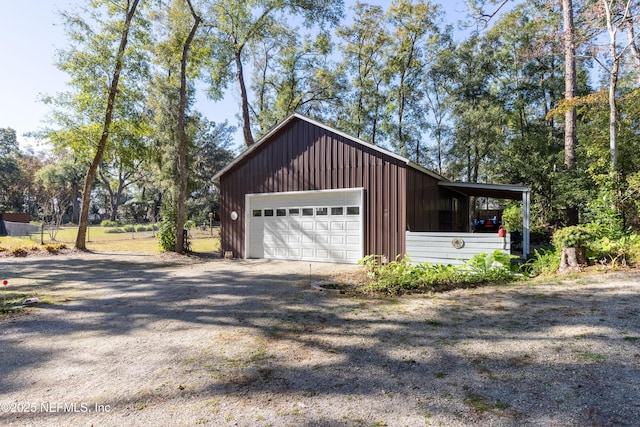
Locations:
{"points": [[306, 191]]}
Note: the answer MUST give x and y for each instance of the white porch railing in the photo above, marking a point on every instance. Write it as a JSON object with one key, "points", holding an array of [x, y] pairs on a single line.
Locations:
{"points": [[452, 248]]}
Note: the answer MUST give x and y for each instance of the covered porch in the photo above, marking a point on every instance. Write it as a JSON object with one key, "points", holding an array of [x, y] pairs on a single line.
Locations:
{"points": [[458, 247]]}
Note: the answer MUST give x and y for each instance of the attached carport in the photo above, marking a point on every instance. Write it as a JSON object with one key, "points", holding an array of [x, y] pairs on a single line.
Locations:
{"points": [[499, 191]]}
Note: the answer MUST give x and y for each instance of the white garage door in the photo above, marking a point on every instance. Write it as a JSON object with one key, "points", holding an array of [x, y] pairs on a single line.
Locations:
{"points": [[322, 226]]}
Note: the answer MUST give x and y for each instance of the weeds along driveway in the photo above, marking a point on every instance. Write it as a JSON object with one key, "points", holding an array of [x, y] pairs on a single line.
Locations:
{"points": [[144, 340]]}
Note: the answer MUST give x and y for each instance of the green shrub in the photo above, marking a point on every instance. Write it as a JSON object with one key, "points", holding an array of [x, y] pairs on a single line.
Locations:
{"points": [[483, 263], [575, 236], [624, 250], [399, 276], [512, 218], [543, 262], [115, 230], [602, 217], [189, 224], [108, 223], [129, 228], [167, 229], [142, 228]]}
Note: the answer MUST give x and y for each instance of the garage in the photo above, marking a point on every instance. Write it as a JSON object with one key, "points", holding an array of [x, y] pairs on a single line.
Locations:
{"points": [[307, 191], [324, 225]]}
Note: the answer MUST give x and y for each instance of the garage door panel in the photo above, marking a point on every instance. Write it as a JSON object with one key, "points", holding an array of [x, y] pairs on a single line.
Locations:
{"points": [[337, 254], [294, 253], [322, 239], [353, 254], [353, 225], [314, 226], [337, 240], [353, 240], [337, 226], [294, 238]]}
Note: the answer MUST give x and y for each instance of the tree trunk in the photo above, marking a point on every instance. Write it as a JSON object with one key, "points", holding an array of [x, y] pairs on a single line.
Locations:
{"points": [[182, 133], [246, 119], [570, 91], [570, 84], [572, 258], [613, 139], [635, 52], [75, 205], [81, 239], [613, 83]]}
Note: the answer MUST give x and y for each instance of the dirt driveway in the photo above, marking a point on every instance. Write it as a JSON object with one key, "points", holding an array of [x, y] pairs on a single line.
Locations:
{"points": [[150, 341]]}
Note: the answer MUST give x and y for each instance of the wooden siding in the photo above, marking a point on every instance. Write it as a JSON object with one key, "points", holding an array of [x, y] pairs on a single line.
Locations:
{"points": [[437, 248], [304, 157]]}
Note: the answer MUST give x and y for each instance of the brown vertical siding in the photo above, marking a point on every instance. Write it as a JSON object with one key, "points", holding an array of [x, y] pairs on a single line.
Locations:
{"points": [[301, 157], [429, 205]]}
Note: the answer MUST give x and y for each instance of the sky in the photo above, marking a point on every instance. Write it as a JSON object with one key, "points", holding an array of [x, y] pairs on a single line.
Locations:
{"points": [[30, 33]]}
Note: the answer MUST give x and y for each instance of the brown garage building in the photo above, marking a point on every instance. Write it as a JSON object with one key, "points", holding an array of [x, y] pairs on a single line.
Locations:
{"points": [[310, 192]]}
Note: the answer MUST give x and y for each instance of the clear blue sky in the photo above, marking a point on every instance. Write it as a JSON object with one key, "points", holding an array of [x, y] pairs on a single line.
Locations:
{"points": [[30, 32]]}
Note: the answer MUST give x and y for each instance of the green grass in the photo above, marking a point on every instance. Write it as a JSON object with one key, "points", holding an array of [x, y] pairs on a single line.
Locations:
{"points": [[99, 240]]}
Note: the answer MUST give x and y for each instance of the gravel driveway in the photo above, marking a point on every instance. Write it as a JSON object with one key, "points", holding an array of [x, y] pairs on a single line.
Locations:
{"points": [[154, 341]]}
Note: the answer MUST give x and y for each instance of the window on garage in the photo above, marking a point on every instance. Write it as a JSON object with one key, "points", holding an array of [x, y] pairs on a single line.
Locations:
{"points": [[294, 212], [337, 211], [307, 211], [268, 212], [322, 211], [353, 210], [256, 212], [281, 212]]}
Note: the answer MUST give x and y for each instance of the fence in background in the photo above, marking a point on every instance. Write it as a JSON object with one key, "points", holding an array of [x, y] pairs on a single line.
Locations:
{"points": [[19, 229]]}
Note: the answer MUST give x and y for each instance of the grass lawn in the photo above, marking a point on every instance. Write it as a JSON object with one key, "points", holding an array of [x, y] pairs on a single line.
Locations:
{"points": [[100, 241]]}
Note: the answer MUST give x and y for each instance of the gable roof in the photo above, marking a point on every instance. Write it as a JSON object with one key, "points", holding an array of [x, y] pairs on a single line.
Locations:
{"points": [[296, 116]]}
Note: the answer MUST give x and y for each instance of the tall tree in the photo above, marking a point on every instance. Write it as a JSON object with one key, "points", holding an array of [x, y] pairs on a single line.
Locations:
{"points": [[436, 82], [570, 86], [616, 14], [478, 121], [182, 132], [364, 46], [237, 23], [179, 53], [296, 77], [96, 58], [412, 23]]}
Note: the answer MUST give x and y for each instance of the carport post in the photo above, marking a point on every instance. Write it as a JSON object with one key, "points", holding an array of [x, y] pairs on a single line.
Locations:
{"points": [[526, 202]]}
